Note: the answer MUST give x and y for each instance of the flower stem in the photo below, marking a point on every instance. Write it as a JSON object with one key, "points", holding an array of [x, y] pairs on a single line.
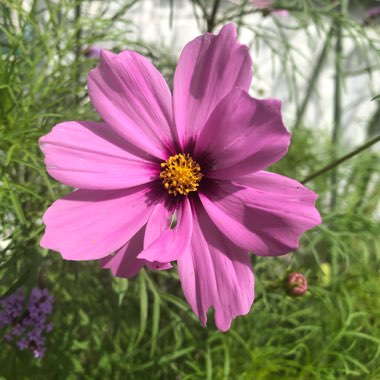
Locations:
{"points": [[313, 79], [337, 162], [78, 47], [337, 100], [211, 20], [239, 21]]}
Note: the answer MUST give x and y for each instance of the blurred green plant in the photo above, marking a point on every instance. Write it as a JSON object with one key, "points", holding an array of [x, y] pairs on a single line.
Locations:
{"points": [[113, 328]]}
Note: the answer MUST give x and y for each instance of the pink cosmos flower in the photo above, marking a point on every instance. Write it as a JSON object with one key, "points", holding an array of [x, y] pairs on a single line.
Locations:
{"points": [[178, 177]]}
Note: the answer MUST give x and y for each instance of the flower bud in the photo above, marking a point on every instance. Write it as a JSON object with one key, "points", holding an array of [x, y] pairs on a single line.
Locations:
{"points": [[297, 284]]}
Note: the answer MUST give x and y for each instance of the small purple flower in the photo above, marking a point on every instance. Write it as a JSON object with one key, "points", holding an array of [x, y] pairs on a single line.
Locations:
{"points": [[26, 326], [49, 327], [267, 6], [371, 14], [262, 4], [39, 352], [297, 284], [8, 336], [22, 344], [17, 330], [93, 52]]}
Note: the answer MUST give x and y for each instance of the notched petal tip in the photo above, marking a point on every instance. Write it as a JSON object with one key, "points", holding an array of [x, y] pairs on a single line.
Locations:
{"points": [[215, 273], [208, 68], [251, 135], [164, 243], [158, 266], [229, 29], [106, 56], [90, 224], [132, 96], [89, 155], [264, 213]]}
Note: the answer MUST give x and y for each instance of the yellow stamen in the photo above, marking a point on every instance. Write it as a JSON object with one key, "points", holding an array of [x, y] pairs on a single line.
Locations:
{"points": [[180, 174]]}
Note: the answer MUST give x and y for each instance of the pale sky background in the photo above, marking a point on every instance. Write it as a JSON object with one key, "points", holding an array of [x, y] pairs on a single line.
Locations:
{"points": [[151, 24]]}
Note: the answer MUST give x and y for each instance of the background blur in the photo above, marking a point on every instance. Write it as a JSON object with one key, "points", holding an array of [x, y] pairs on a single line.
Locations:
{"points": [[322, 59]]}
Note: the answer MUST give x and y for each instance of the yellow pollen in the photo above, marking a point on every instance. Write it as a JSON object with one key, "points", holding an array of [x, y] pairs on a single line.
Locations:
{"points": [[180, 174]]}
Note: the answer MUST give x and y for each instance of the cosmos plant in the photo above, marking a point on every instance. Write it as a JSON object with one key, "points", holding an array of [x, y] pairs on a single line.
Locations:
{"points": [[178, 178]]}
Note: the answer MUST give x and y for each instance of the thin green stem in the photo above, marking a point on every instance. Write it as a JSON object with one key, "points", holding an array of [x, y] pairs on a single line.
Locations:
{"points": [[337, 162], [337, 100], [374, 124], [239, 21], [314, 77], [211, 20], [204, 13], [365, 177], [78, 47], [171, 14]]}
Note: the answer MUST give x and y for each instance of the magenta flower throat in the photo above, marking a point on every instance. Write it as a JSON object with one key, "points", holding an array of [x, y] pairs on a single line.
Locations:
{"points": [[178, 177]]}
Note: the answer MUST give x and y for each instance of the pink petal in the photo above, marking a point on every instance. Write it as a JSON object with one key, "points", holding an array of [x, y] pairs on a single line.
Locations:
{"points": [[268, 6], [209, 67], [264, 213], [90, 155], [164, 242], [215, 273], [91, 224], [281, 12], [124, 263], [132, 96], [250, 136], [155, 265], [262, 4]]}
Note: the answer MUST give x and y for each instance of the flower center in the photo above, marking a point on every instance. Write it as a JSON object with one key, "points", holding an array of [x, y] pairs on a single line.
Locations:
{"points": [[180, 174]]}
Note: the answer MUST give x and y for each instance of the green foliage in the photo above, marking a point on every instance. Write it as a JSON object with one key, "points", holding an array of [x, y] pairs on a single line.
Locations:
{"points": [[107, 328]]}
